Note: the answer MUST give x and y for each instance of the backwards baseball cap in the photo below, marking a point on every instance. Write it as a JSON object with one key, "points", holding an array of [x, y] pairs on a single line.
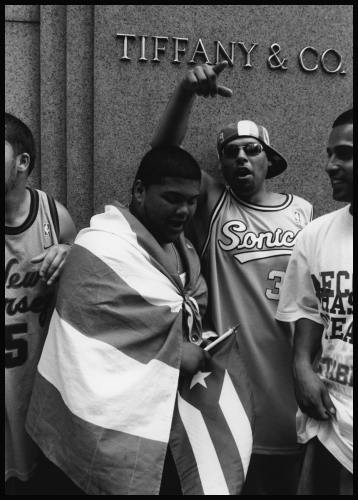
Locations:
{"points": [[246, 128]]}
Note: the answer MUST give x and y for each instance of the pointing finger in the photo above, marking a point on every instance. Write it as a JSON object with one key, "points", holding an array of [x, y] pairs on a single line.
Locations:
{"points": [[224, 91], [218, 68]]}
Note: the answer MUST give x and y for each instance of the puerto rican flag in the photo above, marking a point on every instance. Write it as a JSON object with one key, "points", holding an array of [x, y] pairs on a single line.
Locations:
{"points": [[105, 404], [212, 432]]}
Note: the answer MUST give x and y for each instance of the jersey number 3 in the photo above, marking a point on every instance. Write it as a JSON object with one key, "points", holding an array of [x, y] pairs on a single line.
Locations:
{"points": [[277, 277], [18, 347]]}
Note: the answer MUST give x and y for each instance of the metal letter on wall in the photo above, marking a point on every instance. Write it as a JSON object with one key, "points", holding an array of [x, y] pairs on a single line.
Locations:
{"points": [[275, 48], [301, 61], [142, 48], [177, 49], [125, 45], [220, 48], [158, 49], [323, 62], [248, 53], [200, 49]]}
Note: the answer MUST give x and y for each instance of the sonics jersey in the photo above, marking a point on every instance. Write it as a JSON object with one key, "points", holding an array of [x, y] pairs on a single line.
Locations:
{"points": [[244, 260], [29, 305]]}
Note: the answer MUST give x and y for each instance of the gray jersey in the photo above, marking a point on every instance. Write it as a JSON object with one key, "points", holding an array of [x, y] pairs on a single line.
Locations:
{"points": [[29, 304], [244, 261]]}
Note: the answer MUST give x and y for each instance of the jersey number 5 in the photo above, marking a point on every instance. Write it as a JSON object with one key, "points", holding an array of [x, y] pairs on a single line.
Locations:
{"points": [[277, 277], [18, 347]]}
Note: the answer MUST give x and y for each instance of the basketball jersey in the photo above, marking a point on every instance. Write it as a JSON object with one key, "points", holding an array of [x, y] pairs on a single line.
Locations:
{"points": [[29, 304], [244, 260]]}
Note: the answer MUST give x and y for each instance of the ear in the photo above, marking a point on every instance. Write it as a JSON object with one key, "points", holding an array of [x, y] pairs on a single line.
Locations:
{"points": [[138, 191], [23, 162]]}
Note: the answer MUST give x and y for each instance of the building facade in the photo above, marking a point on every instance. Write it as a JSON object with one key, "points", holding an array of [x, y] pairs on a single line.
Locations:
{"points": [[92, 83]]}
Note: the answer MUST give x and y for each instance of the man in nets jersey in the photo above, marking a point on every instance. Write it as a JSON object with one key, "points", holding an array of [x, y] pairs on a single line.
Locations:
{"points": [[38, 235], [318, 297], [246, 235]]}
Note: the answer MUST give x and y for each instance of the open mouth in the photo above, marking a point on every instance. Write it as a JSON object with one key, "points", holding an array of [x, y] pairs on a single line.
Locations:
{"points": [[177, 225], [243, 172]]}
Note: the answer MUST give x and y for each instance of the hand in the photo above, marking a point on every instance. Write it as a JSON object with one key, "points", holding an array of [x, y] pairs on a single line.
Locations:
{"points": [[203, 81], [193, 359], [53, 260], [312, 395]]}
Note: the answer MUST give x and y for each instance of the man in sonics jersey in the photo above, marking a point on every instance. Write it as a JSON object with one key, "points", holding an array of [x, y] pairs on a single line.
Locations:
{"points": [[246, 235], [38, 235]]}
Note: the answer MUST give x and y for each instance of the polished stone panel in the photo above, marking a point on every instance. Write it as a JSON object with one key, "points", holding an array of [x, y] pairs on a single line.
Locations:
{"points": [[53, 101], [22, 80], [297, 107], [80, 128], [64, 68], [24, 13]]}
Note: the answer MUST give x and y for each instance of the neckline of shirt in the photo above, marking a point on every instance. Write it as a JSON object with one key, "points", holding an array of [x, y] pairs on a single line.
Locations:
{"points": [[263, 208], [30, 219]]}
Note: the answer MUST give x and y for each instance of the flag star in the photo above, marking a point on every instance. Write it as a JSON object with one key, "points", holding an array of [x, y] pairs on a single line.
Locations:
{"points": [[199, 378]]}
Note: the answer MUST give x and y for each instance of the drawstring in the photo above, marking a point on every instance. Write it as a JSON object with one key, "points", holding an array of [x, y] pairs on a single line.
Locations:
{"points": [[193, 318]]}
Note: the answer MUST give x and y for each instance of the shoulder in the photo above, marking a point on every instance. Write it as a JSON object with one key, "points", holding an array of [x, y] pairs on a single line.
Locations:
{"points": [[303, 207], [316, 228], [301, 202], [67, 226]]}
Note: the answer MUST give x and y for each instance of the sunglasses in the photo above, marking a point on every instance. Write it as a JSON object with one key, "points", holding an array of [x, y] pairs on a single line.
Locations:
{"points": [[232, 151]]}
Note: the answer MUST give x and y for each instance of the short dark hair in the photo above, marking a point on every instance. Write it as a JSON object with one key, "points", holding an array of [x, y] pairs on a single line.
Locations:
{"points": [[167, 161], [20, 137], [345, 118]]}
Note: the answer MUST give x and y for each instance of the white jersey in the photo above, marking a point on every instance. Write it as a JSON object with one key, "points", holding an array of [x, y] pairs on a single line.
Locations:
{"points": [[29, 304], [319, 286], [244, 260]]}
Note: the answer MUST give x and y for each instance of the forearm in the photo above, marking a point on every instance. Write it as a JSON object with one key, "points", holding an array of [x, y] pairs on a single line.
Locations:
{"points": [[307, 342], [311, 393], [173, 124]]}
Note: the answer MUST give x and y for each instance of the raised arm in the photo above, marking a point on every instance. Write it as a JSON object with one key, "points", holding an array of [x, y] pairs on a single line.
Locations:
{"points": [[201, 81]]}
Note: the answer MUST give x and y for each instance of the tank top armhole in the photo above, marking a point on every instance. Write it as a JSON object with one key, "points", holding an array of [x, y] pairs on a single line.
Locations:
{"points": [[54, 215]]}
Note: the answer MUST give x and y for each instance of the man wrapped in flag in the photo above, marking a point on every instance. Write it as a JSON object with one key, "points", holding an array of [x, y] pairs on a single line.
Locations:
{"points": [[127, 323]]}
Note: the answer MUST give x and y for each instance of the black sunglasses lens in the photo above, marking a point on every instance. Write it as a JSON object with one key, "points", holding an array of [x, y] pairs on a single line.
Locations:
{"points": [[253, 149]]}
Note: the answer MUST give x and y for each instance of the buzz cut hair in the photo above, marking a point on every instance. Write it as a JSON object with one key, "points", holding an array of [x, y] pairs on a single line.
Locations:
{"points": [[345, 118], [20, 138], [167, 161]]}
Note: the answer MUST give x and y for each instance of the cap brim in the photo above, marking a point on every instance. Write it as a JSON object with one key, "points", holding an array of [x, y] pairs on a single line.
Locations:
{"points": [[279, 163]]}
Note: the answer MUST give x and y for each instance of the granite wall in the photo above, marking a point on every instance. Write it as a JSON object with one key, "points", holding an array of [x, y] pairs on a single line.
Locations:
{"points": [[93, 112]]}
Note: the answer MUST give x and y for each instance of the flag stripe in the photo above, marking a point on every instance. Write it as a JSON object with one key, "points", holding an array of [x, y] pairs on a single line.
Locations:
{"points": [[107, 387], [98, 303], [79, 447], [134, 268], [237, 420], [209, 467], [227, 451], [184, 457]]}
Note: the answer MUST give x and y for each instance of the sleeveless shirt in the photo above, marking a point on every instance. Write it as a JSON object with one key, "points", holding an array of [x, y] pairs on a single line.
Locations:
{"points": [[244, 260], [29, 303]]}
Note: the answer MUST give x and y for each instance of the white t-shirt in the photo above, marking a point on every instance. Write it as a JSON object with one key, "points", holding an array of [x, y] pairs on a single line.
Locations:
{"points": [[319, 286]]}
